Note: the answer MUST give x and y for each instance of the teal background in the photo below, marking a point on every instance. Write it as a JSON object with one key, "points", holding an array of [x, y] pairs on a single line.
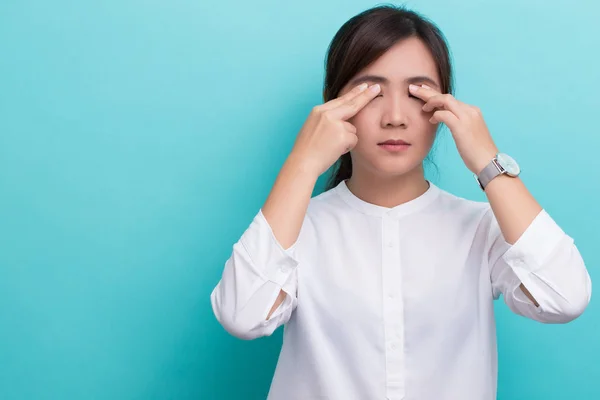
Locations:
{"points": [[139, 138]]}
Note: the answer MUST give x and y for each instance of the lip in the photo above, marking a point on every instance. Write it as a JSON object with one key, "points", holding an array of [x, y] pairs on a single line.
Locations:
{"points": [[394, 146], [395, 142]]}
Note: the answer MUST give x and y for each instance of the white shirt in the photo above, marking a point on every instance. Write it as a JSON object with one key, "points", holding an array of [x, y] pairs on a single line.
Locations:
{"points": [[395, 303]]}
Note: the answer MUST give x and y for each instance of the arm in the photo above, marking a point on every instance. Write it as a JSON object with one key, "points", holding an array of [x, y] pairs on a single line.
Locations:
{"points": [[533, 263], [286, 206], [515, 209], [258, 269], [257, 291]]}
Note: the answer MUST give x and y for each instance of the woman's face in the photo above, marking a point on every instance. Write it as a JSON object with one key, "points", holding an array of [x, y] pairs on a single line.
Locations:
{"points": [[395, 114]]}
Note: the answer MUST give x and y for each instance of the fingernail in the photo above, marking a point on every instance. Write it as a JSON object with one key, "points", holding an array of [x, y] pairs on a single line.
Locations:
{"points": [[425, 86], [375, 88], [362, 86], [413, 88]]}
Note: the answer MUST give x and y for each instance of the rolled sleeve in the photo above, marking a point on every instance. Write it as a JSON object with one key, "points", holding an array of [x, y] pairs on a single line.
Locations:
{"points": [[532, 250], [275, 263], [255, 273], [547, 262]]}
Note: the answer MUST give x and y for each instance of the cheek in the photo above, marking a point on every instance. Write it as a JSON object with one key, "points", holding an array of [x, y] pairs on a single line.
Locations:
{"points": [[429, 137], [365, 122], [423, 125]]}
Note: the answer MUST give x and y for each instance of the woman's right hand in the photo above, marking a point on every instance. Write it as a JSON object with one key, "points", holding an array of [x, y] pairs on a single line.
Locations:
{"points": [[326, 134]]}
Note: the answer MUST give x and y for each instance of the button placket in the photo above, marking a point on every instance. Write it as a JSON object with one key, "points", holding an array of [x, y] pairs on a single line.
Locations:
{"points": [[393, 307]]}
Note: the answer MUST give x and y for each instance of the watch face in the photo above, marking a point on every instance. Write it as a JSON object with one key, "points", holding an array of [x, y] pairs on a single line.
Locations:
{"points": [[509, 164]]}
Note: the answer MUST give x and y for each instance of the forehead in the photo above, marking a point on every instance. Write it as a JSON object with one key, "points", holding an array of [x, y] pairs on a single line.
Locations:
{"points": [[409, 57]]}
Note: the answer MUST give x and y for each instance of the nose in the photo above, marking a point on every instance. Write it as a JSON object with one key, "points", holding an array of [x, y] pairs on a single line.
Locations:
{"points": [[395, 111]]}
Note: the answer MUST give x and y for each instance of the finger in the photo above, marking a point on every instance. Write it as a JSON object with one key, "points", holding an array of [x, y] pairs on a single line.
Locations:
{"points": [[353, 106], [349, 127], [445, 102], [434, 99], [344, 98], [445, 116], [423, 92]]}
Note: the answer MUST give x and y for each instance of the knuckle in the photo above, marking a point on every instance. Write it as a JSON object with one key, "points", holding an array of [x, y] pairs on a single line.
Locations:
{"points": [[436, 100], [327, 116]]}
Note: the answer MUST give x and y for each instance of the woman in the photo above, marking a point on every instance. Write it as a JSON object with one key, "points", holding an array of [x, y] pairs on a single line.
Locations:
{"points": [[385, 282]]}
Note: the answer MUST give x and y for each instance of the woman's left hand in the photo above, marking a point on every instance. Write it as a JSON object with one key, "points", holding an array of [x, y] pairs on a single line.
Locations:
{"points": [[471, 135]]}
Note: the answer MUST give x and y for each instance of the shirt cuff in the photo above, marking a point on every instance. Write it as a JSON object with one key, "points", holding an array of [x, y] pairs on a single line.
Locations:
{"points": [[274, 262], [536, 244]]}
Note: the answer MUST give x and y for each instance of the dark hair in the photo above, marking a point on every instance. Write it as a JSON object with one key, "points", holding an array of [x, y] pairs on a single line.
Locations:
{"points": [[366, 37]]}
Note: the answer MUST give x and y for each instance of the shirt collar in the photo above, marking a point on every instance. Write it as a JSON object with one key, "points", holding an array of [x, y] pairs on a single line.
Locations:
{"points": [[395, 212]]}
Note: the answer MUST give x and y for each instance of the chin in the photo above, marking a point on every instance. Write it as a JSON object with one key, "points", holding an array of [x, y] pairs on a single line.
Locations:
{"points": [[387, 165], [394, 168]]}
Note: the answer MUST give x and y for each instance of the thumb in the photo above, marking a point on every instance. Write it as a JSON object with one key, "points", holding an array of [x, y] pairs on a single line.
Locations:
{"points": [[352, 142]]}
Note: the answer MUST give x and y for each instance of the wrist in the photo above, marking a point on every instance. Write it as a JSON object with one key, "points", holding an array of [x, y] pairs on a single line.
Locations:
{"points": [[483, 161], [304, 165]]}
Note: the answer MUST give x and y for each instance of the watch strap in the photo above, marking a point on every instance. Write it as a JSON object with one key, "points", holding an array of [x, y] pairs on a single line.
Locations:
{"points": [[492, 170]]}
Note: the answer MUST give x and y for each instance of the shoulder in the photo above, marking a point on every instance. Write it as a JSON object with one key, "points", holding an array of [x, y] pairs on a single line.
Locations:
{"points": [[470, 221], [458, 207], [326, 202]]}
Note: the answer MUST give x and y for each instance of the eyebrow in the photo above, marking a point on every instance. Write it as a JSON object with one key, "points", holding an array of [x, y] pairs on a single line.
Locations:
{"points": [[385, 81]]}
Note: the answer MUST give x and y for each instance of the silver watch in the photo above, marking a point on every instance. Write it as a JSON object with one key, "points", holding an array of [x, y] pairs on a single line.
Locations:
{"points": [[500, 164]]}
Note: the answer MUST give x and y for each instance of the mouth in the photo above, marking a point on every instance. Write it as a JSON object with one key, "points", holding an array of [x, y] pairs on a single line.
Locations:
{"points": [[395, 142], [394, 145]]}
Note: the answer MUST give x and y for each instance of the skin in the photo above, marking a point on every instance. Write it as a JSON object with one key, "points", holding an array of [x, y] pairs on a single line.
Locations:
{"points": [[401, 102]]}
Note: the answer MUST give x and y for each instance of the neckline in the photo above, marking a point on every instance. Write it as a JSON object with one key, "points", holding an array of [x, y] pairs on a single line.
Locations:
{"points": [[400, 210]]}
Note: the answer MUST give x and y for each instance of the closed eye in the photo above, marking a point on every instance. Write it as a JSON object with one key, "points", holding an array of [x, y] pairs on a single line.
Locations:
{"points": [[410, 96]]}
